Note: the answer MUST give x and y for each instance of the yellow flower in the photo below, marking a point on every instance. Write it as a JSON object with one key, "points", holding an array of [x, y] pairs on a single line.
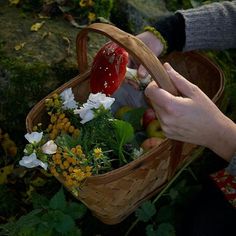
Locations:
{"points": [[91, 16], [78, 174], [97, 152], [86, 3], [88, 168]]}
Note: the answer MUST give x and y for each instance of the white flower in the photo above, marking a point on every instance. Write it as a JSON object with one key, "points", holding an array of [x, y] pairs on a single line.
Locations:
{"points": [[86, 114], [34, 137], [49, 147], [32, 161], [68, 99], [94, 102], [99, 99], [137, 152]]}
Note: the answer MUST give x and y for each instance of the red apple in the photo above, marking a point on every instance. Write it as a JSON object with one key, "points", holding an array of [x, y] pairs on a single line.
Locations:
{"points": [[154, 129], [150, 143], [148, 116]]}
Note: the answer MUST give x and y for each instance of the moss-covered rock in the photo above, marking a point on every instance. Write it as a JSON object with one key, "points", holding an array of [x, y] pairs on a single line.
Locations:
{"points": [[133, 15], [32, 64]]}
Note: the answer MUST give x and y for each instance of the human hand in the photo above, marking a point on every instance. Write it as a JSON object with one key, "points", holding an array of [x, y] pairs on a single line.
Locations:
{"points": [[192, 117], [154, 44]]}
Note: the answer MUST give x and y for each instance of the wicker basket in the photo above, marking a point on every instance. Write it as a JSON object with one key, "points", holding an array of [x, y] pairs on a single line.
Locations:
{"points": [[113, 196]]}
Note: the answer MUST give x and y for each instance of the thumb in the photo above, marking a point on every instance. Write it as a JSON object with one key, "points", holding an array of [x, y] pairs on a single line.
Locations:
{"points": [[185, 87]]}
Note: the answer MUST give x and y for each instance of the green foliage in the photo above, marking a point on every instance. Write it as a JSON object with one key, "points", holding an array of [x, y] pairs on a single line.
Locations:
{"points": [[163, 215], [50, 217], [22, 86], [124, 133], [102, 8], [134, 117], [8, 201], [146, 211], [107, 133], [226, 60]]}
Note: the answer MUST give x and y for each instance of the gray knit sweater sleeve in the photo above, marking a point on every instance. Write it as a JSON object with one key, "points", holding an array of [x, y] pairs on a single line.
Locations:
{"points": [[210, 26]]}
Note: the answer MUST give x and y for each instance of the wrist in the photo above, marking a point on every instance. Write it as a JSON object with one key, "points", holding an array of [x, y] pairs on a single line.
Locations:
{"points": [[161, 42], [223, 143]]}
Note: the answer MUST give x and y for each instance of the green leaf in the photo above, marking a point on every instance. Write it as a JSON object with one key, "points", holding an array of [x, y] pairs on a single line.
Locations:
{"points": [[165, 229], [134, 117], [64, 223], [25, 225], [150, 230], [146, 211], [123, 130], [57, 220], [39, 201], [65, 140], [58, 201], [76, 210]]}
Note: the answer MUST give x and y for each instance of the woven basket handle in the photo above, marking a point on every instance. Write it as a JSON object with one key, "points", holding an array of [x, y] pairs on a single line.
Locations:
{"points": [[135, 47]]}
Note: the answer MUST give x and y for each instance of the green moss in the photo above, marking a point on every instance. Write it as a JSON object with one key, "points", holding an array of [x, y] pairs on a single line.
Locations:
{"points": [[103, 8], [23, 84]]}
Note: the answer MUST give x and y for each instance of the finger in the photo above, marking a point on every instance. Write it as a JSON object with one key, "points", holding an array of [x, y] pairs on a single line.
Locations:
{"points": [[185, 87], [158, 96], [142, 72]]}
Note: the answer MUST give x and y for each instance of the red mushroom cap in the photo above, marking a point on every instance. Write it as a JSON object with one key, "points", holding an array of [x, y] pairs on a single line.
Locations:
{"points": [[108, 69]]}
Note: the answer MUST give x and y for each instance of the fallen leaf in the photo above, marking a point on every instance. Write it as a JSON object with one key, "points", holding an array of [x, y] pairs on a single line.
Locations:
{"points": [[37, 26], [43, 17], [19, 46], [14, 2], [46, 34], [4, 172]]}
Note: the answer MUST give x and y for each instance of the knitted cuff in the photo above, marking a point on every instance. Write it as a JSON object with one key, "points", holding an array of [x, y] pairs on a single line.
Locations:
{"points": [[172, 29], [159, 36]]}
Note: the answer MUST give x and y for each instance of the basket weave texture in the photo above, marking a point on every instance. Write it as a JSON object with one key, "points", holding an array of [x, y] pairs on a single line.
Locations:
{"points": [[114, 195]]}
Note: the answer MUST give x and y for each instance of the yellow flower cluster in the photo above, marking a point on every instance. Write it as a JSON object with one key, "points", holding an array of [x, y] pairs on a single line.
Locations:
{"points": [[70, 164], [59, 124]]}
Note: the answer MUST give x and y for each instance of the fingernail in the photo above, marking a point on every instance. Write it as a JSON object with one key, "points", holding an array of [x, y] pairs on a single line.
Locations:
{"points": [[167, 66]]}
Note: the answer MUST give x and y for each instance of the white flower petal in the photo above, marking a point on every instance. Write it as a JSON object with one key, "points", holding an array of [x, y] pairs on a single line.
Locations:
{"points": [[70, 105], [68, 99], [99, 99], [85, 114], [49, 147], [67, 94], [34, 137], [95, 100], [32, 161]]}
